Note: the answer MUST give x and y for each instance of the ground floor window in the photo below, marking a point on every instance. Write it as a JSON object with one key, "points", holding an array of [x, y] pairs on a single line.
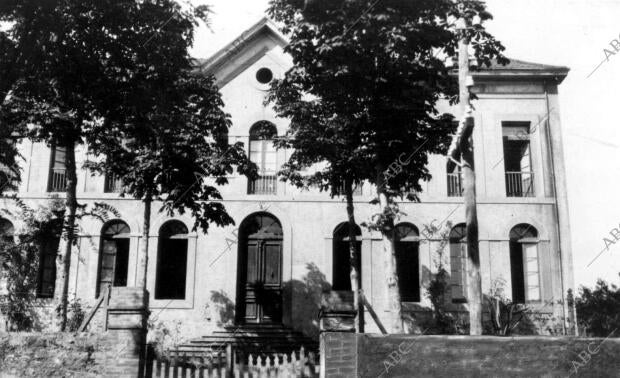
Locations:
{"points": [[408, 262], [458, 262], [171, 274], [341, 279], [524, 271], [113, 255]]}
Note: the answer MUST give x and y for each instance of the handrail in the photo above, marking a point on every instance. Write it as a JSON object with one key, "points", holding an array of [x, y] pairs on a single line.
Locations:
{"points": [[92, 312]]}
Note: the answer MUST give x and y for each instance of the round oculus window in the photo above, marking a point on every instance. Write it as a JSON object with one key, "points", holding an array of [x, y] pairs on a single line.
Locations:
{"points": [[264, 75]]}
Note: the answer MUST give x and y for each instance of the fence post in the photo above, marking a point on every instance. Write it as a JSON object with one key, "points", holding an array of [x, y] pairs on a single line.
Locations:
{"points": [[127, 315], [338, 340]]}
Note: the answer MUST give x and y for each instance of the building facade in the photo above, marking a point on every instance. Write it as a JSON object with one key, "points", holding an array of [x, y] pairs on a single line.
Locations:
{"points": [[289, 245]]}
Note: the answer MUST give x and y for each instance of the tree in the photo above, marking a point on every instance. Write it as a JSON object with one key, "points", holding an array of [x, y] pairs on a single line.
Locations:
{"points": [[316, 136], [86, 54], [173, 154], [380, 68], [163, 133], [598, 309], [9, 169]]}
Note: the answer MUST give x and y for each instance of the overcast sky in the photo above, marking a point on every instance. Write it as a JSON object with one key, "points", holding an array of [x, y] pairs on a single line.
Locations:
{"points": [[571, 33]]}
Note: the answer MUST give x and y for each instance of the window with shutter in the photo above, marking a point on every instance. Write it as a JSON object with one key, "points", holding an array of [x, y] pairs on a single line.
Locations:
{"points": [[525, 272], [58, 173], [532, 277], [458, 263]]}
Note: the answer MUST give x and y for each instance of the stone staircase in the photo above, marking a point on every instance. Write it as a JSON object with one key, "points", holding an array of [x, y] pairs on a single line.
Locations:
{"points": [[254, 339]]}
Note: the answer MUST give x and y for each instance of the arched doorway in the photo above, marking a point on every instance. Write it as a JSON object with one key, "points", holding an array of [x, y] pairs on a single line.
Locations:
{"points": [[259, 282], [113, 255]]}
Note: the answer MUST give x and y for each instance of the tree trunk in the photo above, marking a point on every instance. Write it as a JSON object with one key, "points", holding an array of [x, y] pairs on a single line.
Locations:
{"points": [[63, 264], [474, 283], [395, 323], [354, 258], [143, 258]]}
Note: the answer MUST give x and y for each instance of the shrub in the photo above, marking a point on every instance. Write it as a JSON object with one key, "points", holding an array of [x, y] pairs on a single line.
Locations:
{"points": [[598, 309]]}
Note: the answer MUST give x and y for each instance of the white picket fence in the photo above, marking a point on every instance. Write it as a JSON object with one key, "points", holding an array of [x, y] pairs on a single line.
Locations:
{"points": [[276, 365]]}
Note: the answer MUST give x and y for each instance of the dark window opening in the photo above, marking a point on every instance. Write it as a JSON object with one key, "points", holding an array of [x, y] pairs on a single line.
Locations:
{"points": [[171, 272], [408, 262], [517, 273], [341, 255], [47, 269], [264, 75]]}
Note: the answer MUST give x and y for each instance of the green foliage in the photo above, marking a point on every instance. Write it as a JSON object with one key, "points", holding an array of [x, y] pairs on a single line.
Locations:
{"points": [[20, 262], [598, 309]]}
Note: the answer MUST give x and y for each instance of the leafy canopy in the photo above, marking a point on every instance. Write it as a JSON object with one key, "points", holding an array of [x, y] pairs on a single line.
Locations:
{"points": [[365, 84]]}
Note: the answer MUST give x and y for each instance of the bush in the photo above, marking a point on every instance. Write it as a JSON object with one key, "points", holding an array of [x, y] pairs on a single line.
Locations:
{"points": [[20, 261], [598, 309], [76, 315]]}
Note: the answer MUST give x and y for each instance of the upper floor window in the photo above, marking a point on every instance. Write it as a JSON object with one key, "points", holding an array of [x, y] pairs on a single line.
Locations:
{"points": [[455, 181], [517, 159], [263, 153], [58, 173], [113, 183], [524, 263]]}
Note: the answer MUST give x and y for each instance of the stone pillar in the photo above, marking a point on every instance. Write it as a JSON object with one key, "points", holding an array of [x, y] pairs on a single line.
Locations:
{"points": [[126, 320], [338, 339]]}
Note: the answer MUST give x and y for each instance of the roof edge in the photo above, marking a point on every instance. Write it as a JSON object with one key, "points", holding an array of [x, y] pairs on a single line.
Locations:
{"points": [[222, 55]]}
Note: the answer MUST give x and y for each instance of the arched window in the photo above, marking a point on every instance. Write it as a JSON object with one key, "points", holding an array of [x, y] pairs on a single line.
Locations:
{"points": [[7, 231], [263, 153], [171, 272], [524, 269], [408, 261], [113, 255], [342, 256], [458, 263]]}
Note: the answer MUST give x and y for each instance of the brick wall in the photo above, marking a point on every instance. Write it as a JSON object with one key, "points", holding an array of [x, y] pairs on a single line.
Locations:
{"points": [[111, 354], [338, 354], [364, 355]]}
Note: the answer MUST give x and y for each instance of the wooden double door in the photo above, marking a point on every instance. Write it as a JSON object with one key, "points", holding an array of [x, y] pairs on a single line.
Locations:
{"points": [[261, 287]]}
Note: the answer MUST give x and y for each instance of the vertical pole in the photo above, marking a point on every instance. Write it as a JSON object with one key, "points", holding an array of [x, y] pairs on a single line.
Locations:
{"points": [[474, 283]]}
